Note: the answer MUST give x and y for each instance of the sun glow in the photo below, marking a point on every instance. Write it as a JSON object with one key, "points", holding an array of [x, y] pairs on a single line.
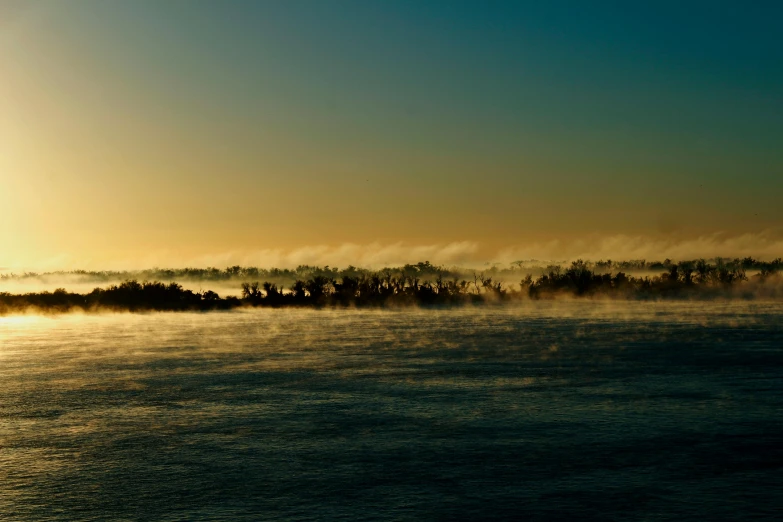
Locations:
{"points": [[16, 327], [17, 322]]}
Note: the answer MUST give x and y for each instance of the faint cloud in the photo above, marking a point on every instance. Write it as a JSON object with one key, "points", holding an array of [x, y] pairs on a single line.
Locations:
{"points": [[374, 255], [624, 247], [467, 254]]}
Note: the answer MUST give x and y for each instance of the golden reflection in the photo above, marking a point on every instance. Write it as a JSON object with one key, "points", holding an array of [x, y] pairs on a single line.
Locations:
{"points": [[17, 321]]}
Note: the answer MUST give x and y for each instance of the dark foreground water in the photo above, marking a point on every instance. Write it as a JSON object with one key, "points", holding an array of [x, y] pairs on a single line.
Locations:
{"points": [[629, 411]]}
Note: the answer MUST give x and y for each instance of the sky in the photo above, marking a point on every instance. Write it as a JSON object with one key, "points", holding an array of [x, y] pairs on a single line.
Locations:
{"points": [[140, 133]]}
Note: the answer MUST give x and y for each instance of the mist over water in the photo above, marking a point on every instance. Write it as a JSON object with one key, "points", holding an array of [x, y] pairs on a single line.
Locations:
{"points": [[584, 409]]}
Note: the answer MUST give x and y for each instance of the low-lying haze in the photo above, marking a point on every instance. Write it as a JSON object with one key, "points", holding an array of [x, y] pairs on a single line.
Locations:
{"points": [[472, 254]]}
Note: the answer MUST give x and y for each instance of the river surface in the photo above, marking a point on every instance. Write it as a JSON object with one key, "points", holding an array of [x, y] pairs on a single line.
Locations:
{"points": [[582, 410]]}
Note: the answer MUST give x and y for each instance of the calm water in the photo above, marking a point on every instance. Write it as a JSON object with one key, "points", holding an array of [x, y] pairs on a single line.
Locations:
{"points": [[633, 411]]}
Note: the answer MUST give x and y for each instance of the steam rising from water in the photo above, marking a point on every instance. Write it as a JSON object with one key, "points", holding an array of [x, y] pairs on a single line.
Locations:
{"points": [[639, 411]]}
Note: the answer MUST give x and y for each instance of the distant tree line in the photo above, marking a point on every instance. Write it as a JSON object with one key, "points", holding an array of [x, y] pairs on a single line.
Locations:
{"points": [[421, 284], [234, 273], [684, 279], [423, 270], [747, 263], [127, 296]]}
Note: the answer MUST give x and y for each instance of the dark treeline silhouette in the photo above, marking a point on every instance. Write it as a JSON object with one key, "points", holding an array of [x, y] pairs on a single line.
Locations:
{"points": [[233, 273], [127, 296], [747, 263], [683, 279], [423, 270], [421, 284]]}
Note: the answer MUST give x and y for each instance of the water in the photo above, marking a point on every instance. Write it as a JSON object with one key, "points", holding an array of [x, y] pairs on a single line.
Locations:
{"points": [[631, 411]]}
